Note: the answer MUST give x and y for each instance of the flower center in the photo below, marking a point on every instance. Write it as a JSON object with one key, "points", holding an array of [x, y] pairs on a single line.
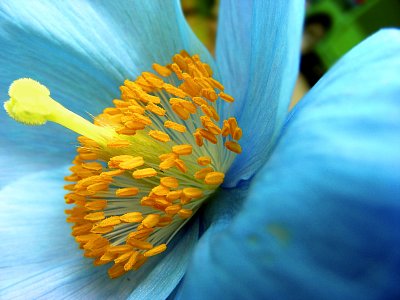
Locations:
{"points": [[146, 164]]}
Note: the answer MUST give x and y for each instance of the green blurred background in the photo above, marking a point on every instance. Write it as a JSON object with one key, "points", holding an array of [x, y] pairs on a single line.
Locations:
{"points": [[202, 16], [332, 27]]}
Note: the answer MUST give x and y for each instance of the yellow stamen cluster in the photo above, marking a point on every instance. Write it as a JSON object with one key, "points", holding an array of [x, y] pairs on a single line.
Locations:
{"points": [[148, 162]]}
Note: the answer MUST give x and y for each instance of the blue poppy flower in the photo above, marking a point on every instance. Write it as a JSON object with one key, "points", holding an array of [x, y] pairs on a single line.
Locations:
{"points": [[320, 218]]}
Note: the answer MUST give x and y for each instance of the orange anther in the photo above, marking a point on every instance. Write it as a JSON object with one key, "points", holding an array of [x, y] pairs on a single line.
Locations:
{"points": [[131, 261], [153, 80], [173, 209], [185, 199], [174, 90], [120, 103], [146, 98], [132, 217], [182, 149], [119, 249], [123, 257], [225, 128], [193, 193], [140, 262], [181, 165], [88, 156], [215, 115], [237, 134], [180, 111], [206, 110], [174, 126], [143, 173], [96, 205], [159, 136], [167, 163], [151, 220], [102, 230], [208, 136], [189, 106], [126, 131], [134, 125], [116, 271], [208, 68], [86, 237], [202, 173], [214, 178], [198, 138], [143, 245], [97, 187], [127, 192], [160, 190], [110, 221], [163, 71], [184, 54], [131, 163], [232, 125], [199, 101], [204, 160], [156, 250], [215, 84], [210, 94], [96, 216], [136, 108], [156, 109], [226, 97], [233, 146], [147, 201], [180, 61], [164, 221], [141, 234], [165, 156], [141, 119], [111, 111], [107, 257], [170, 182], [185, 213], [174, 195], [178, 72]]}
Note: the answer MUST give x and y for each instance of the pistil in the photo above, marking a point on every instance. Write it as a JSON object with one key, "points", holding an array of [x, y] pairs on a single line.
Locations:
{"points": [[30, 103]]}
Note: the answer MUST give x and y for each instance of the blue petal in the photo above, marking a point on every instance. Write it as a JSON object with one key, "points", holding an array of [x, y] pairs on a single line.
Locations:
{"points": [[258, 50], [322, 218], [82, 51], [42, 260], [166, 275], [16, 164]]}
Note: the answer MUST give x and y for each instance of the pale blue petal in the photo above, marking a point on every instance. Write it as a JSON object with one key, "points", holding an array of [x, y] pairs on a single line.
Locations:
{"points": [[162, 280], [82, 50], [258, 50], [223, 206], [16, 164], [322, 218], [41, 260]]}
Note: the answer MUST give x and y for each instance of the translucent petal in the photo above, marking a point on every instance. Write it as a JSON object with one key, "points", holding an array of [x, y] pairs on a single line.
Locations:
{"points": [[258, 48]]}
